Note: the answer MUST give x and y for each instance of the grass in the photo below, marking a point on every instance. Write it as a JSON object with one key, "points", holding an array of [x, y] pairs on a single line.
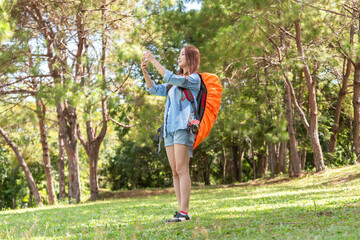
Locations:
{"points": [[318, 206]]}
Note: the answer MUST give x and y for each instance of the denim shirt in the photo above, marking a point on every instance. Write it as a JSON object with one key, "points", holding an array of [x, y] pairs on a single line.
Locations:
{"points": [[177, 108]]}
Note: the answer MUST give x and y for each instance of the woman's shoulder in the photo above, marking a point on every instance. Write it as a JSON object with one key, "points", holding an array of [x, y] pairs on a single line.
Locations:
{"points": [[195, 75]]}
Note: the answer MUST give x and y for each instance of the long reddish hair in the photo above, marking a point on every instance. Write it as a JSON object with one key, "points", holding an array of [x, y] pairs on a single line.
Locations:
{"points": [[192, 56]]}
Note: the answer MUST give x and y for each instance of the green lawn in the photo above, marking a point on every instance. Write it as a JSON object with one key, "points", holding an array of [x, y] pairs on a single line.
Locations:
{"points": [[320, 206]]}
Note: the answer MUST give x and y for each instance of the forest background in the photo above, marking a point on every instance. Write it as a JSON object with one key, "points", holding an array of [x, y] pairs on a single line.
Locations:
{"points": [[75, 117]]}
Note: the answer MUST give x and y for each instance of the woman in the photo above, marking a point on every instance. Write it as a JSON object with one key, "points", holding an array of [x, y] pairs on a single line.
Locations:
{"points": [[178, 112]]}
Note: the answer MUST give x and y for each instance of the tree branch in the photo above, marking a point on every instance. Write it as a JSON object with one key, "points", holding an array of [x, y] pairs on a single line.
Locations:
{"points": [[82, 139], [126, 78], [120, 124], [297, 106], [287, 33], [18, 91], [102, 133], [273, 42], [322, 9]]}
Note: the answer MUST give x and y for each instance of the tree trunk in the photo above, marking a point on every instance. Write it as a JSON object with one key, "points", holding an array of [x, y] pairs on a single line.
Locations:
{"points": [[356, 105], [24, 166], [336, 128], [262, 165], [41, 111], [93, 143], [68, 128], [272, 159], [206, 170], [231, 167], [93, 164], [30, 199], [225, 162], [241, 157], [356, 101], [92, 148], [351, 145], [303, 159], [67, 120], [293, 153], [277, 154], [235, 161], [253, 162], [61, 164], [282, 157], [311, 85]]}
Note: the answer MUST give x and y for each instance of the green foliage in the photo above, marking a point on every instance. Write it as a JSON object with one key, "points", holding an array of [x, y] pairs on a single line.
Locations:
{"points": [[129, 52], [13, 185], [6, 25], [136, 163], [137, 166]]}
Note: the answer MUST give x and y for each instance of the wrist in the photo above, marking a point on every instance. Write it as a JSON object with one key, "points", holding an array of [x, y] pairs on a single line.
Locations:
{"points": [[152, 60]]}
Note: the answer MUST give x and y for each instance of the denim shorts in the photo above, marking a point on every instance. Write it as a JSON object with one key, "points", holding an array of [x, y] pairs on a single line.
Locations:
{"points": [[180, 136]]}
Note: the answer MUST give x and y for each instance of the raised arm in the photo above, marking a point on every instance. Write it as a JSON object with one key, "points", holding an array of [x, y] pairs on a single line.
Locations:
{"points": [[144, 66], [156, 89], [161, 69], [189, 82]]}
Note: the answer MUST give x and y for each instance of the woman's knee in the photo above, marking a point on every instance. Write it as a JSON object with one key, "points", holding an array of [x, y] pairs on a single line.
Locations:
{"points": [[182, 170], [175, 173]]}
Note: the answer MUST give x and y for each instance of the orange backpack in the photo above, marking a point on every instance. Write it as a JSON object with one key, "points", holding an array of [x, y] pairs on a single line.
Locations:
{"points": [[208, 104]]}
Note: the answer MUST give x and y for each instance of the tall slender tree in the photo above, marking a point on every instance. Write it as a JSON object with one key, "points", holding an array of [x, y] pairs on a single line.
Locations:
{"points": [[20, 158]]}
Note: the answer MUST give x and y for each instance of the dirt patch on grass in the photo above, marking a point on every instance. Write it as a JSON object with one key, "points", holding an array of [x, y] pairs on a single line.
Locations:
{"points": [[265, 181], [103, 194]]}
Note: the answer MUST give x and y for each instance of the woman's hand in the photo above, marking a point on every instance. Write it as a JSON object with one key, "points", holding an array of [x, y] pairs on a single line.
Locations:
{"points": [[148, 55], [144, 64]]}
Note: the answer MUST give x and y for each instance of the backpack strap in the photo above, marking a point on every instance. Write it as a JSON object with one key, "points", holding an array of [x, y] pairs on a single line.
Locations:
{"points": [[190, 98], [159, 135]]}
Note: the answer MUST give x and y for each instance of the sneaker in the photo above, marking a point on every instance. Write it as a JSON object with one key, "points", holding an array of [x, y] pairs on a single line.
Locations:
{"points": [[178, 217]]}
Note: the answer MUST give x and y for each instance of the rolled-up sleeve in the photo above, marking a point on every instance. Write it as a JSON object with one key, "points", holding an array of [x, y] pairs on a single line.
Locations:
{"points": [[191, 82], [157, 89]]}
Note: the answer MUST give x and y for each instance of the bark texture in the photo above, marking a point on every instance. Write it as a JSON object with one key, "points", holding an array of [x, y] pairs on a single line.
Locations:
{"points": [[68, 129], [282, 157], [61, 166], [293, 153], [41, 111], [262, 165], [356, 105]]}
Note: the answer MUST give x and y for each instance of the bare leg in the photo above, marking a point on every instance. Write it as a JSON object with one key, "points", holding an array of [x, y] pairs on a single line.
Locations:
{"points": [[182, 168], [176, 180]]}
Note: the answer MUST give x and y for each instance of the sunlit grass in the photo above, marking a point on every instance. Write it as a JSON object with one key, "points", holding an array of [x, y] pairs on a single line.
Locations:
{"points": [[318, 206]]}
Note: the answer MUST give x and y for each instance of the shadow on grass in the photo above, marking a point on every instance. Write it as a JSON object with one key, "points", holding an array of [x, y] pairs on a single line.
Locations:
{"points": [[348, 178]]}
